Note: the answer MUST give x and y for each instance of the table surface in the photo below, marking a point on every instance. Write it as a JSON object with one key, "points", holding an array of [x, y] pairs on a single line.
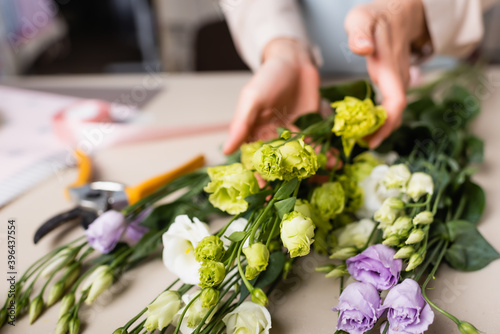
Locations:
{"points": [[301, 304]]}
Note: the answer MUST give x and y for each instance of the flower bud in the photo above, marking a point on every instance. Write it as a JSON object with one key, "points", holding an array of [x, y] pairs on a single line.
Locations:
{"points": [[415, 260], [257, 256], [404, 252], [63, 324], [247, 152], [285, 135], [415, 237], [209, 297], [344, 253], [251, 272], [161, 311], [259, 297], [420, 184], [36, 308], [392, 241], [304, 207], [423, 218], [74, 326], [467, 328], [394, 203], [55, 293], [388, 212], [101, 284], [297, 233], [401, 227], [67, 303], [212, 274], [120, 330], [339, 271], [210, 248], [59, 260], [287, 268], [3, 317], [21, 306], [325, 268], [328, 199], [71, 274], [396, 177], [92, 277]]}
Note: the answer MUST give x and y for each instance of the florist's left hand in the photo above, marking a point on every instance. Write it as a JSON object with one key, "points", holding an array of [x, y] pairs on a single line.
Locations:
{"points": [[383, 31]]}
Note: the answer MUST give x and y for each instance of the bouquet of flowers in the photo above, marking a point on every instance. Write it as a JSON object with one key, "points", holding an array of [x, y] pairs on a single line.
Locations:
{"points": [[387, 219]]}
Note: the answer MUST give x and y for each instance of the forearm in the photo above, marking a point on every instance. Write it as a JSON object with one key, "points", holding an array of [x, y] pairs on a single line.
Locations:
{"points": [[255, 23]]}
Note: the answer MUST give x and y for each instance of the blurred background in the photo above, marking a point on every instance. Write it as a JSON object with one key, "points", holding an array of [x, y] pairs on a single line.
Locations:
{"points": [[50, 37], [46, 37]]}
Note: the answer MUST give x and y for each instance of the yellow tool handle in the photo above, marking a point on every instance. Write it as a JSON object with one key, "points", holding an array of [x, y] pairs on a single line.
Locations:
{"points": [[84, 170], [146, 188]]}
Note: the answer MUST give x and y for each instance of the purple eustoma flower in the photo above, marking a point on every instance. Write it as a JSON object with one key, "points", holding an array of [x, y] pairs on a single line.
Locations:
{"points": [[105, 232], [359, 306], [376, 265], [135, 231], [407, 310]]}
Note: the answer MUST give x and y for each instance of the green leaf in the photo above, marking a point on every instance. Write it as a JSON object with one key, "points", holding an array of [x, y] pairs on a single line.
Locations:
{"points": [[305, 121], [285, 206], [474, 149], [462, 104], [273, 271], [356, 89], [286, 189], [237, 236], [469, 250], [475, 203], [259, 198]]}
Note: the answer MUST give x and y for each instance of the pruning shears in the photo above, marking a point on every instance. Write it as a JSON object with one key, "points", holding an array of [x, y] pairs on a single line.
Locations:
{"points": [[94, 198]]}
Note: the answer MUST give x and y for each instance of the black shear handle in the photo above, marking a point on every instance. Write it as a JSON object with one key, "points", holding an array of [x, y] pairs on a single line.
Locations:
{"points": [[86, 218]]}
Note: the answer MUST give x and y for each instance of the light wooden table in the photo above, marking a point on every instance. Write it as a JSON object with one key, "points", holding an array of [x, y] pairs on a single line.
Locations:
{"points": [[300, 305]]}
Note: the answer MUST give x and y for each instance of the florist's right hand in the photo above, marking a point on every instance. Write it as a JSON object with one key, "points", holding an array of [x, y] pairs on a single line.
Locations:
{"points": [[284, 87]]}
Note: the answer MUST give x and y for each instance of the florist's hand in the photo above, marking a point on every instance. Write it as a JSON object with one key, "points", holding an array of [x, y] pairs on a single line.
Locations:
{"points": [[383, 31], [284, 87]]}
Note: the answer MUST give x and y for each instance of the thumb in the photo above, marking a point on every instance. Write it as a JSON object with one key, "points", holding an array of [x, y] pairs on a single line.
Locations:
{"points": [[359, 25]]}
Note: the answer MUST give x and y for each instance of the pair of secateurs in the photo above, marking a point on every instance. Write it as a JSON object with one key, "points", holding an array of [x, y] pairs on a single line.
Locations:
{"points": [[94, 198]]}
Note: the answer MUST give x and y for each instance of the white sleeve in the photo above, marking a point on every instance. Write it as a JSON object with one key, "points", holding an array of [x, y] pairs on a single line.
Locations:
{"points": [[254, 23], [455, 26]]}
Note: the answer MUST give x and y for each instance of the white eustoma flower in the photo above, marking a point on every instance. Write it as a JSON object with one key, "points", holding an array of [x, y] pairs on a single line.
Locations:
{"points": [[420, 184], [238, 225], [355, 234], [195, 313], [374, 192], [179, 243], [397, 177], [249, 317]]}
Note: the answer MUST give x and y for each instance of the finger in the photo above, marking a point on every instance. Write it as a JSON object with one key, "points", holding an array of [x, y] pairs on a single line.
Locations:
{"points": [[359, 25], [247, 109], [386, 66]]}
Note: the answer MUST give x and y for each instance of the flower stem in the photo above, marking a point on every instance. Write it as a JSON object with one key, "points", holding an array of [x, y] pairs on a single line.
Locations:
{"points": [[264, 214], [184, 313], [275, 224], [431, 275]]}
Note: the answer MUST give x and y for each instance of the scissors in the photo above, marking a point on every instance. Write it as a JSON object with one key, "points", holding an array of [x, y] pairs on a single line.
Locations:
{"points": [[94, 198]]}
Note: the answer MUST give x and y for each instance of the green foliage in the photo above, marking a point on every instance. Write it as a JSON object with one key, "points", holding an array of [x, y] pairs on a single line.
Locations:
{"points": [[469, 250]]}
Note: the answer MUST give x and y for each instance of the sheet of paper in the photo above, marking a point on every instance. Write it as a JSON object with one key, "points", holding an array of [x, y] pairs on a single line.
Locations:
{"points": [[29, 150]]}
